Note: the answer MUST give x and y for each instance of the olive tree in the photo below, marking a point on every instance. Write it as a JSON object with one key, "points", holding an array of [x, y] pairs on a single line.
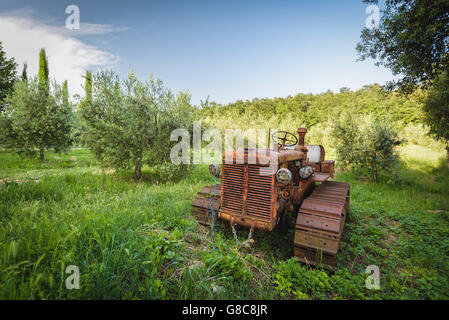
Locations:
{"points": [[366, 144], [129, 122], [36, 119]]}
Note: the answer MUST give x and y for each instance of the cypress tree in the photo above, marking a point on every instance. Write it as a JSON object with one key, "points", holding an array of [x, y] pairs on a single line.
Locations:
{"points": [[24, 73], [43, 70], [65, 94], [88, 86]]}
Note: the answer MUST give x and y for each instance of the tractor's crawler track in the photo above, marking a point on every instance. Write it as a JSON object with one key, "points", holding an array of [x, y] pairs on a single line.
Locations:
{"points": [[202, 203], [320, 223]]}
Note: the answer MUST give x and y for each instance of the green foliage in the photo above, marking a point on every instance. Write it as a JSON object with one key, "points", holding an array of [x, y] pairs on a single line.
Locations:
{"points": [[411, 40], [7, 74], [366, 144], [65, 93], [222, 263], [24, 76], [44, 81], [418, 134], [35, 118], [436, 109], [130, 125], [292, 278], [311, 110], [88, 86], [78, 128], [349, 286]]}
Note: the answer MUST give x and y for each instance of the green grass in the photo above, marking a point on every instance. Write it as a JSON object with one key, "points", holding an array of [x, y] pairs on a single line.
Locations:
{"points": [[139, 241]]}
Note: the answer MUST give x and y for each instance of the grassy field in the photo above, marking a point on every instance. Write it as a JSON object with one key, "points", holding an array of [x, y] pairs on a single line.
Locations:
{"points": [[138, 240]]}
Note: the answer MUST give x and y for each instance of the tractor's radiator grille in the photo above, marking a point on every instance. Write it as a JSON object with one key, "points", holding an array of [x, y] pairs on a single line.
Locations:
{"points": [[259, 194], [233, 180]]}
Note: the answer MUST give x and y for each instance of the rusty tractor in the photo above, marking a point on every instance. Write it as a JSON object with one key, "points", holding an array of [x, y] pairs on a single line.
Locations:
{"points": [[256, 194]]}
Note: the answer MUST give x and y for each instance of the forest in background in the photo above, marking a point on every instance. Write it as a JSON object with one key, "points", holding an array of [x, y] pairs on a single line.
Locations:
{"points": [[316, 112]]}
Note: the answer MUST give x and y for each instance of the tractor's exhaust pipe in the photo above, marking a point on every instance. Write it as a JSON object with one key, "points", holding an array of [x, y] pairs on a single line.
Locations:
{"points": [[301, 134]]}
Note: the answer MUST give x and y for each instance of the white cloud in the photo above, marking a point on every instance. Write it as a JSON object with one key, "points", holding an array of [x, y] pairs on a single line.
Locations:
{"points": [[22, 37]]}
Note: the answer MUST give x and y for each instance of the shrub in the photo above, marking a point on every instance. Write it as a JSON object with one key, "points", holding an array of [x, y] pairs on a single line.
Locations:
{"points": [[366, 144]]}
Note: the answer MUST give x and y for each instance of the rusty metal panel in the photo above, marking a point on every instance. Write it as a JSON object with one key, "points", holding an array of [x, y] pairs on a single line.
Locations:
{"points": [[318, 222], [316, 166], [320, 177], [233, 188], [328, 166], [246, 221], [245, 189], [317, 239], [247, 195], [216, 189], [205, 203], [201, 204], [262, 156], [319, 207], [314, 257], [260, 193]]}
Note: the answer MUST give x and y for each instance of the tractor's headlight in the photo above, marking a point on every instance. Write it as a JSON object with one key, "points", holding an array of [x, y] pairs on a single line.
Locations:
{"points": [[306, 172], [284, 176], [214, 169]]}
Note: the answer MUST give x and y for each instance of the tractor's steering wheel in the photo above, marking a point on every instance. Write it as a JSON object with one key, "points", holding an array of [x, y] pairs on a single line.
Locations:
{"points": [[281, 137]]}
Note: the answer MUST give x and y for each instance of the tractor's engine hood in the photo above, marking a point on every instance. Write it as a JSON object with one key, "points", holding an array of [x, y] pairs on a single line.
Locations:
{"points": [[262, 157]]}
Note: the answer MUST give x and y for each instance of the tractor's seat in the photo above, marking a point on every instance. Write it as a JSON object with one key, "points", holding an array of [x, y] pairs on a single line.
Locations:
{"points": [[315, 153]]}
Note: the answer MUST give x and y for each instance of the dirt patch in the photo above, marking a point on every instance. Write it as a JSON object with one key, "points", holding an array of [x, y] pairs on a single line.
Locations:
{"points": [[103, 171], [435, 211], [18, 181], [363, 179]]}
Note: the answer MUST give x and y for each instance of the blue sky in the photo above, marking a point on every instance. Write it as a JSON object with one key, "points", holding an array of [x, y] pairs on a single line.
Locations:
{"points": [[229, 50]]}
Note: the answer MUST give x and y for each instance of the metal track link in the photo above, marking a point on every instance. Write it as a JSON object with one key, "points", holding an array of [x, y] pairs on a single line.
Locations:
{"points": [[201, 204]]}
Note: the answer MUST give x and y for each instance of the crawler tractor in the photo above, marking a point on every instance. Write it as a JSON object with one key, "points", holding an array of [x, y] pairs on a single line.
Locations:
{"points": [[261, 188]]}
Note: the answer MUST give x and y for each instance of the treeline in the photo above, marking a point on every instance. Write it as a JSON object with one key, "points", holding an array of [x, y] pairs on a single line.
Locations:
{"points": [[312, 109]]}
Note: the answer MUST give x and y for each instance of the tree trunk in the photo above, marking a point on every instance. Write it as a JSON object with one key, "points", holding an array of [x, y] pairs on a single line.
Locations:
{"points": [[138, 171], [41, 154], [447, 157]]}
